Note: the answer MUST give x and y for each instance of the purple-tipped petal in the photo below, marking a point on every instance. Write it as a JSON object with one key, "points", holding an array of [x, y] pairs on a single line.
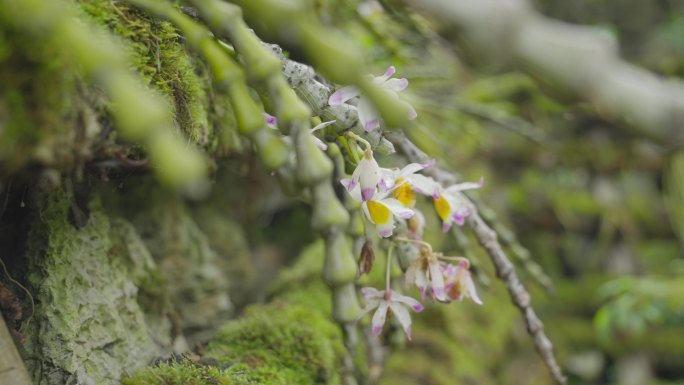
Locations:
{"points": [[418, 308], [270, 119], [342, 95], [379, 318], [349, 184], [446, 226], [403, 316], [371, 125], [367, 193], [385, 233], [465, 186], [368, 117], [388, 74], [429, 164], [396, 85]]}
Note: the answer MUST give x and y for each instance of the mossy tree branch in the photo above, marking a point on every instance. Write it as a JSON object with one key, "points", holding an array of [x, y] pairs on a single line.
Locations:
{"points": [[228, 76], [140, 114]]}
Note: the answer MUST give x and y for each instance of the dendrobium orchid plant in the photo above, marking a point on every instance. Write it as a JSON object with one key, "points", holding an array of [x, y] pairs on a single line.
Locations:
{"points": [[387, 197]]}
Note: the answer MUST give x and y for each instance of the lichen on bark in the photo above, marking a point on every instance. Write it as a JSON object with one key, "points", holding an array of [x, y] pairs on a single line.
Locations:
{"points": [[88, 326]]}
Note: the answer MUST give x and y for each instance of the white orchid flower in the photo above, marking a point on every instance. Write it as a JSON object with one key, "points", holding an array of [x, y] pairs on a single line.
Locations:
{"points": [[368, 116], [389, 300], [426, 273], [366, 175], [459, 283], [450, 206], [405, 181]]}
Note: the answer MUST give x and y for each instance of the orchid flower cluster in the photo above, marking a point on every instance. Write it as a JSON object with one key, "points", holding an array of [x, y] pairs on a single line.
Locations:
{"points": [[389, 195]]}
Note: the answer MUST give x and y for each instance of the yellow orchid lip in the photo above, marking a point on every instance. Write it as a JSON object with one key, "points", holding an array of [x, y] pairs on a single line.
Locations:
{"points": [[378, 212], [442, 207], [404, 193]]}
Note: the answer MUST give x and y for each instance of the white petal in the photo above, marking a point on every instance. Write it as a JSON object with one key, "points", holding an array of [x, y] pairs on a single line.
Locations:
{"points": [[421, 282], [403, 316], [395, 85], [369, 306], [342, 95], [412, 114], [410, 169], [355, 193], [387, 178], [437, 282], [470, 289], [446, 225], [411, 302], [371, 292], [385, 229], [369, 177], [397, 208], [348, 183], [410, 275], [465, 186], [321, 144], [322, 125], [364, 207], [379, 318], [368, 117], [423, 184]]}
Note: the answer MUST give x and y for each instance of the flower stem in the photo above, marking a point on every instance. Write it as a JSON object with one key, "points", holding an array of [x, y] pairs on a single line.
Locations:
{"points": [[359, 139], [422, 243], [389, 269], [455, 259]]}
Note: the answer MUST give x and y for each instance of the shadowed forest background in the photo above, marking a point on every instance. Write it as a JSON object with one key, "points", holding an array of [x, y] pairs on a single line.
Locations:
{"points": [[154, 229]]}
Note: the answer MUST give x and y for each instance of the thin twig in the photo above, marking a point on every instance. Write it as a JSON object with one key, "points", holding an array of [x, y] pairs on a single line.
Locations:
{"points": [[505, 270]]}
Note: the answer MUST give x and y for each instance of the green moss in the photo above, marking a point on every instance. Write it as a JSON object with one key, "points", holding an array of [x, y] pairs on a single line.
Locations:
{"points": [[158, 54], [39, 104], [299, 343], [278, 344], [182, 373]]}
